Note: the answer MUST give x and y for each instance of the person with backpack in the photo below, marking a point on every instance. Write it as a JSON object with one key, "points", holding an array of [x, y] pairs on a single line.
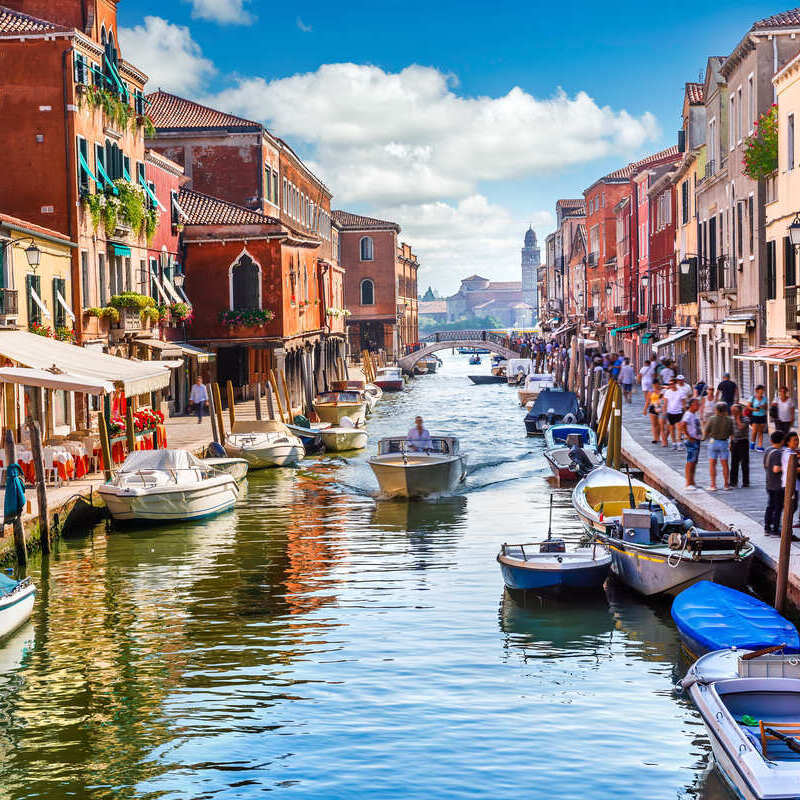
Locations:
{"points": [[775, 491], [758, 418]]}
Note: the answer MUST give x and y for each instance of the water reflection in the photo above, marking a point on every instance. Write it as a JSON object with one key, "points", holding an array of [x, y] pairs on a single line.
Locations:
{"points": [[441, 515]]}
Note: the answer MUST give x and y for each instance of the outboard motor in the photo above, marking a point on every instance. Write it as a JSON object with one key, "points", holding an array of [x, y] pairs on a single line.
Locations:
{"points": [[581, 463], [553, 546]]}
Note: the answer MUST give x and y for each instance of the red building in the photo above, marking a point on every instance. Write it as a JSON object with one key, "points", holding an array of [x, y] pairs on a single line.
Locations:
{"points": [[659, 294]]}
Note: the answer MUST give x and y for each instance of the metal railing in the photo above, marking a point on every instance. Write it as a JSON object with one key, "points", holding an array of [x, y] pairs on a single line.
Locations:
{"points": [[661, 314], [719, 275], [9, 302], [466, 336]]}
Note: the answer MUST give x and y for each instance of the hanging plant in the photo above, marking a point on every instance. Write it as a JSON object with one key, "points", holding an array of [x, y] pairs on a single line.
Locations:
{"points": [[94, 205], [64, 334], [110, 215], [132, 300], [131, 204], [761, 149], [179, 311], [151, 224]]}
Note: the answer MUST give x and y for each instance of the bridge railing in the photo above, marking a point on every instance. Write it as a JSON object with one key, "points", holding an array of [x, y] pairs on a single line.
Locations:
{"points": [[462, 336]]}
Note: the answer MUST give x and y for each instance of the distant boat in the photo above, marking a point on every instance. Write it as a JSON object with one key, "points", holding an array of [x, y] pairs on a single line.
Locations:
{"points": [[551, 407], [389, 379], [483, 380], [476, 359], [16, 603], [471, 351]]}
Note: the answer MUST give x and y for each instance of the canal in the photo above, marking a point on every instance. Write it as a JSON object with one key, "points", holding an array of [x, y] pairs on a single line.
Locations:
{"points": [[317, 643]]}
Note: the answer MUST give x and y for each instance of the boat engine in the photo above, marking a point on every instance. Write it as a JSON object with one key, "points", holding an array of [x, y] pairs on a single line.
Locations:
{"points": [[553, 546], [580, 462], [696, 540]]}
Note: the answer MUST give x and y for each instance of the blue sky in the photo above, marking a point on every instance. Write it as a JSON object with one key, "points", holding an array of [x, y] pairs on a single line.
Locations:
{"points": [[440, 148]]}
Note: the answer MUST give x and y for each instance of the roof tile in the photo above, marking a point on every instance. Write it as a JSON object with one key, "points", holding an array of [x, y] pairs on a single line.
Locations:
{"points": [[169, 111], [16, 22], [786, 19], [631, 169], [201, 209], [695, 92], [346, 220]]}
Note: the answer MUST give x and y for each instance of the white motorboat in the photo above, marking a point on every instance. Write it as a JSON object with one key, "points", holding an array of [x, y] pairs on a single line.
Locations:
{"points": [[517, 370], [236, 467], [167, 486], [344, 437], [534, 383], [389, 379], [402, 471], [332, 406], [375, 392], [750, 705], [16, 603], [264, 443]]}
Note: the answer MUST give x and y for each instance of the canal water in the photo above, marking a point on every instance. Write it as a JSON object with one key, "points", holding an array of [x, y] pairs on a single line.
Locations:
{"points": [[320, 643]]}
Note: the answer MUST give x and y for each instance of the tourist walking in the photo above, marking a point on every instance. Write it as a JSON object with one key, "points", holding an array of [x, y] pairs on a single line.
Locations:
{"points": [[646, 376], [773, 460], [675, 405], [198, 397], [718, 430], [627, 375], [758, 418], [727, 391], [782, 410], [690, 428], [654, 411], [740, 447]]}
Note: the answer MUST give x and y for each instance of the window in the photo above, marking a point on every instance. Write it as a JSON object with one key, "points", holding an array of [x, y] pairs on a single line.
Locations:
{"points": [[268, 182], [101, 278], [751, 103], [59, 312], [789, 270], [790, 142], [732, 124], [152, 277], [712, 144], [771, 270], [750, 221], [367, 248], [367, 292], [739, 114], [33, 283], [739, 223], [81, 68], [86, 286], [274, 187], [245, 284], [685, 202], [84, 178]]}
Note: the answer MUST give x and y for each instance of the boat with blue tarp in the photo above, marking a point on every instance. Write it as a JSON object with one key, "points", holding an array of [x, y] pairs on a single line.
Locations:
{"points": [[559, 444], [551, 407], [710, 616]]}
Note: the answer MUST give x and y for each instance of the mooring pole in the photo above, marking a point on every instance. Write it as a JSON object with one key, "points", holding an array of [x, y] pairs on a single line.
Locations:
{"points": [[785, 551]]}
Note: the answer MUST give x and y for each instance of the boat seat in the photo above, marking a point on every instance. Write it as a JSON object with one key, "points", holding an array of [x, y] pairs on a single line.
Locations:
{"points": [[772, 747]]}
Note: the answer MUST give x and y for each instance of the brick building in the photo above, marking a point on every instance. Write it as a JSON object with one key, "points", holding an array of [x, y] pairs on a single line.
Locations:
{"points": [[380, 284]]}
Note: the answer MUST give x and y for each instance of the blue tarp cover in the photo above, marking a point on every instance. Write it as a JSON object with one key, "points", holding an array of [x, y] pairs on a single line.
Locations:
{"points": [[15, 493], [717, 617]]}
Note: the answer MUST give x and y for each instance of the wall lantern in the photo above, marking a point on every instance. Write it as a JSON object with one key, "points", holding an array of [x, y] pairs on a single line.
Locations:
{"points": [[794, 231], [686, 265], [34, 255], [645, 281]]}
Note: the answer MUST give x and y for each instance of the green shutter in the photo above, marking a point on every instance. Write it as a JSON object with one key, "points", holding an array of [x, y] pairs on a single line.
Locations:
{"points": [[32, 307], [2, 266]]}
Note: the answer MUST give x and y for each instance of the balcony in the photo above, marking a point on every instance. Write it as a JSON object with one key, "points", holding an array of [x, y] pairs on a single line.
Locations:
{"points": [[718, 276], [9, 304], [661, 315], [792, 311]]}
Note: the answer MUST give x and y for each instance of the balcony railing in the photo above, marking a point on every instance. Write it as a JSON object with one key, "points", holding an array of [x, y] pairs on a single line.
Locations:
{"points": [[9, 302], [661, 315], [792, 321], [710, 167], [719, 275]]}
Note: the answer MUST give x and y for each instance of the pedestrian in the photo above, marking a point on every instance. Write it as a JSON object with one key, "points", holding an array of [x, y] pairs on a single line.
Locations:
{"points": [[645, 378], [674, 405], [790, 445], [667, 373], [690, 427], [727, 391], [782, 410], [719, 429], [740, 447], [198, 397], [682, 386], [627, 375], [700, 388], [654, 411], [773, 469], [708, 405], [758, 417]]}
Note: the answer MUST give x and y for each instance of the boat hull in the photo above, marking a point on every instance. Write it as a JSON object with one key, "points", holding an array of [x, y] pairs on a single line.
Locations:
{"points": [[397, 479], [525, 576], [343, 439], [389, 385], [335, 412], [280, 454], [482, 380], [235, 467], [16, 608], [172, 504]]}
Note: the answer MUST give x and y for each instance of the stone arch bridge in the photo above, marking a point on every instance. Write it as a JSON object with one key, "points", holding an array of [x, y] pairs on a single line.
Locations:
{"points": [[445, 340]]}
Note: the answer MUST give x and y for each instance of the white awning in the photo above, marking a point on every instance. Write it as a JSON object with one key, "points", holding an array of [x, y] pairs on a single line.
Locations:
{"points": [[202, 356], [160, 288], [55, 380], [166, 364], [738, 324], [39, 352], [65, 305], [38, 301], [682, 333]]}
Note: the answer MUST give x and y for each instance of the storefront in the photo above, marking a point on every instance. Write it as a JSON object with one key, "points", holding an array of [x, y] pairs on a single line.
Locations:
{"points": [[681, 347], [773, 367]]}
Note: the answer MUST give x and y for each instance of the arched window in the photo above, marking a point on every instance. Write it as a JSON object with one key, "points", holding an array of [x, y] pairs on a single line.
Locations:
{"points": [[367, 291], [245, 284], [367, 248]]}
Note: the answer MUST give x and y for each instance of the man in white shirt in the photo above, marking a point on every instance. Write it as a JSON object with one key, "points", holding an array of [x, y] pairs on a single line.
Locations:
{"points": [[198, 397], [418, 437], [676, 405]]}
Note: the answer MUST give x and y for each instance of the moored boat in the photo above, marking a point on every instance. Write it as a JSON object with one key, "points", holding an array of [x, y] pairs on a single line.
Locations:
{"points": [[344, 437], [16, 603], [559, 441], [309, 433], [427, 365], [235, 467], [713, 617], [264, 443], [548, 566], [517, 370], [551, 407], [402, 471], [654, 550], [332, 406], [389, 379], [485, 380], [167, 486], [534, 384], [749, 702], [476, 359]]}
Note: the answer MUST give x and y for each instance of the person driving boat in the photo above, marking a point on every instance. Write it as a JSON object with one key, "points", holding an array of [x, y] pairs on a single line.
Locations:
{"points": [[419, 437]]}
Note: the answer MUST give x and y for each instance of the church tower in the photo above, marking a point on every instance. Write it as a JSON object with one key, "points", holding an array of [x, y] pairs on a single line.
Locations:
{"points": [[531, 261]]}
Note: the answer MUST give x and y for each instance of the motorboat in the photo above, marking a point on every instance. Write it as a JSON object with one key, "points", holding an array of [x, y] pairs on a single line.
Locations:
{"points": [[370, 397], [403, 471], [389, 379], [473, 360], [517, 370], [427, 365], [167, 486], [551, 407], [713, 617], [235, 467], [485, 380], [548, 566], [332, 406], [374, 392], [16, 603], [343, 437], [499, 366], [534, 383], [559, 441], [264, 443], [654, 550], [750, 705], [309, 433]]}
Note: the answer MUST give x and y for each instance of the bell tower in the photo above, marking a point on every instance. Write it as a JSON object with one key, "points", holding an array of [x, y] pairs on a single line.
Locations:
{"points": [[531, 261]]}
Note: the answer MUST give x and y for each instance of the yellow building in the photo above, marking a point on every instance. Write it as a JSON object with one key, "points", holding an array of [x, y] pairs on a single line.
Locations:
{"points": [[35, 278]]}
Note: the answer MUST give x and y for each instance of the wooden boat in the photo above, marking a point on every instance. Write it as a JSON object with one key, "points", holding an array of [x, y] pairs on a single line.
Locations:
{"points": [[345, 436], [16, 603], [654, 550], [485, 380], [427, 365], [404, 472], [551, 407], [235, 467], [369, 393], [332, 406], [713, 617], [750, 705], [534, 384], [559, 441], [542, 567], [389, 379], [264, 443], [167, 486]]}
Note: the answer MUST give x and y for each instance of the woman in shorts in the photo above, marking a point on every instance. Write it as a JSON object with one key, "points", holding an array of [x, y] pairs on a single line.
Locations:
{"points": [[654, 407]]}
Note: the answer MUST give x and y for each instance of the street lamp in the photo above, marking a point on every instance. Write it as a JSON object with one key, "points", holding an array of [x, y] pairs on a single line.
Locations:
{"points": [[794, 231], [178, 279], [645, 281], [34, 255], [685, 266]]}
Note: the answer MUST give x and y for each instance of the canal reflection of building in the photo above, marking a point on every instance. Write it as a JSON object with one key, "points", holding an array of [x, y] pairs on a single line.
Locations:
{"points": [[543, 627]]}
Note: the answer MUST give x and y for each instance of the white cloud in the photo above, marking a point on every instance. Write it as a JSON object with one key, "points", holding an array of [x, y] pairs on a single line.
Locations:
{"points": [[303, 27], [225, 12], [409, 137], [168, 54]]}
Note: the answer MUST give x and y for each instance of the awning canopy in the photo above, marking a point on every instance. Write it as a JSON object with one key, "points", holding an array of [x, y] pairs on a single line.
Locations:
{"points": [[174, 364], [566, 328], [646, 337], [202, 356], [738, 324], [24, 376], [772, 355], [635, 326], [39, 352], [121, 249], [166, 350], [681, 333]]}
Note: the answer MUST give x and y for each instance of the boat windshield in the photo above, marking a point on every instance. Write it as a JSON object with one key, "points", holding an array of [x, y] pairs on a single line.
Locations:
{"points": [[166, 460], [443, 445], [339, 397]]}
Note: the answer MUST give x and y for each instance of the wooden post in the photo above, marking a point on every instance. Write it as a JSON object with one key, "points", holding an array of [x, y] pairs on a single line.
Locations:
{"points": [[212, 412], [605, 414], [257, 400], [19, 531], [231, 404], [289, 412], [130, 433], [41, 491], [273, 380], [616, 447], [270, 401], [218, 409], [105, 444], [785, 549]]}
